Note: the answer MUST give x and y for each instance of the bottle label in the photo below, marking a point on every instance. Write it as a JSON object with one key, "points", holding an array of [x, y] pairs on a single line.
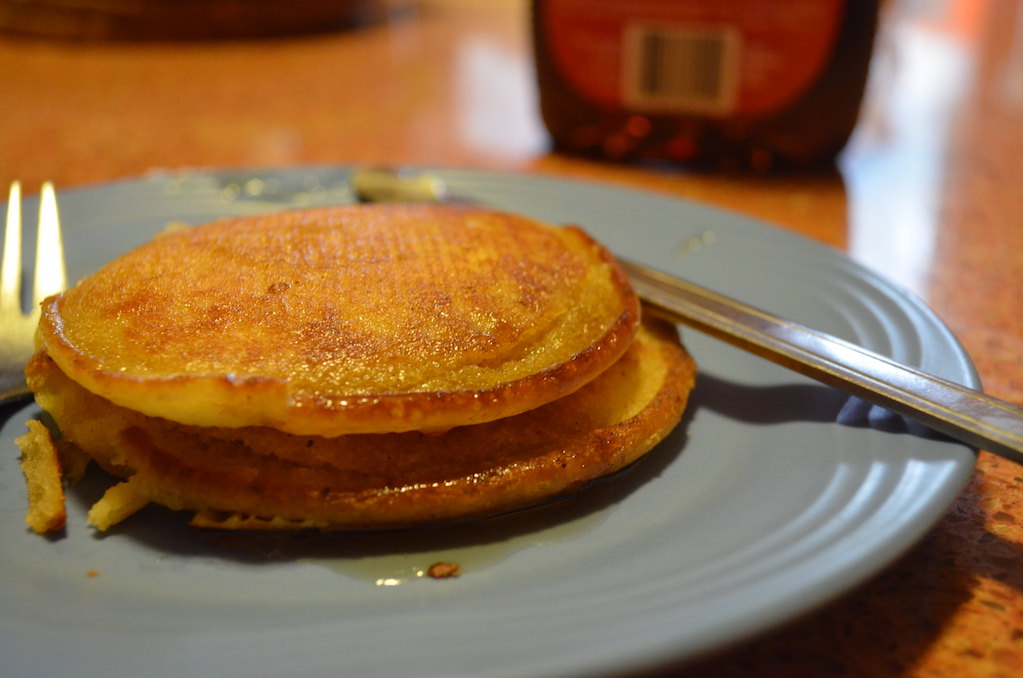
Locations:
{"points": [[744, 58]]}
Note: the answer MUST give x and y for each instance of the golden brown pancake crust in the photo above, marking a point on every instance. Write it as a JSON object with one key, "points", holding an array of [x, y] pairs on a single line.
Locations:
{"points": [[260, 477], [356, 319]]}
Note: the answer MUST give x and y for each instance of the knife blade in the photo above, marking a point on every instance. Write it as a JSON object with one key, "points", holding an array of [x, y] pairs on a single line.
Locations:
{"points": [[963, 413]]}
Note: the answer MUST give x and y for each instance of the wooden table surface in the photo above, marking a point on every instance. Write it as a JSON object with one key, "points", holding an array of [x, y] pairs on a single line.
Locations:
{"points": [[928, 193]]}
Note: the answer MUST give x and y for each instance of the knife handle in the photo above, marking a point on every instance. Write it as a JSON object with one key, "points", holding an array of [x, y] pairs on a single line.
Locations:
{"points": [[963, 413]]}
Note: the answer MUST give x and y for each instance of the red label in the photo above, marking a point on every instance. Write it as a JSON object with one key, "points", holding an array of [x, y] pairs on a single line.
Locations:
{"points": [[721, 58]]}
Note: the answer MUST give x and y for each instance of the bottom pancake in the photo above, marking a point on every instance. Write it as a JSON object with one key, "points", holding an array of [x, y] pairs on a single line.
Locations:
{"points": [[262, 478]]}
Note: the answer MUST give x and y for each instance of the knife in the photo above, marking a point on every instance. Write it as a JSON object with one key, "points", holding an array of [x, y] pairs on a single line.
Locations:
{"points": [[963, 413]]}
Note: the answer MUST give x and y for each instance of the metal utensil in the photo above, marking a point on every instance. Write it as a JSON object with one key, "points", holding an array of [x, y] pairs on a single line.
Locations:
{"points": [[17, 328], [963, 413]]}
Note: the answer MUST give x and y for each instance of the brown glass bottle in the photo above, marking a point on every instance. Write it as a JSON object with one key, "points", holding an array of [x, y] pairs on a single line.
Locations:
{"points": [[716, 82]]}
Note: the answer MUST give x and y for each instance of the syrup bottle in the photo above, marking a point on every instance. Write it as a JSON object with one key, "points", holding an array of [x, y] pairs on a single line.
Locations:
{"points": [[723, 83]]}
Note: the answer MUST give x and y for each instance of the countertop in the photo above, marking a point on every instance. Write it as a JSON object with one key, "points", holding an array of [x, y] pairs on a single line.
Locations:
{"points": [[927, 193]]}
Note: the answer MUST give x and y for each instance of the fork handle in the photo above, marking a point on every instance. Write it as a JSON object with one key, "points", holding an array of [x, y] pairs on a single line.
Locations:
{"points": [[963, 413]]}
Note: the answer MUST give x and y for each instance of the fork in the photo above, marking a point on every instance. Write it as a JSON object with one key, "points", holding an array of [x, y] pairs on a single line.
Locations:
{"points": [[17, 328]]}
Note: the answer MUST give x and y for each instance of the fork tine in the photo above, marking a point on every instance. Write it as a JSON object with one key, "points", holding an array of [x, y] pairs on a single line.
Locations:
{"points": [[10, 270], [50, 274]]}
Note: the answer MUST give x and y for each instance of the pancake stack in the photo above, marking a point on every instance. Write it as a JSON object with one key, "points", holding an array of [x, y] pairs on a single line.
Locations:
{"points": [[357, 367]]}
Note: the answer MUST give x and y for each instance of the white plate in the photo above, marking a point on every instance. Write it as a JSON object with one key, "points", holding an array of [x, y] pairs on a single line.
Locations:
{"points": [[760, 507]]}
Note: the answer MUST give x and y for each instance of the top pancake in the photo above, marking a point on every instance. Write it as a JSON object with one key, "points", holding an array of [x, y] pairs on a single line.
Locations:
{"points": [[355, 319]]}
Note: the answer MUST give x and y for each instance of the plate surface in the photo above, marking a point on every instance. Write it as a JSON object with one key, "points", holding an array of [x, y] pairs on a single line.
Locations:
{"points": [[775, 495]]}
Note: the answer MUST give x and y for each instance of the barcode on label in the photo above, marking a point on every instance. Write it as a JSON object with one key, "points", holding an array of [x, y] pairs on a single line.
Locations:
{"points": [[685, 70]]}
